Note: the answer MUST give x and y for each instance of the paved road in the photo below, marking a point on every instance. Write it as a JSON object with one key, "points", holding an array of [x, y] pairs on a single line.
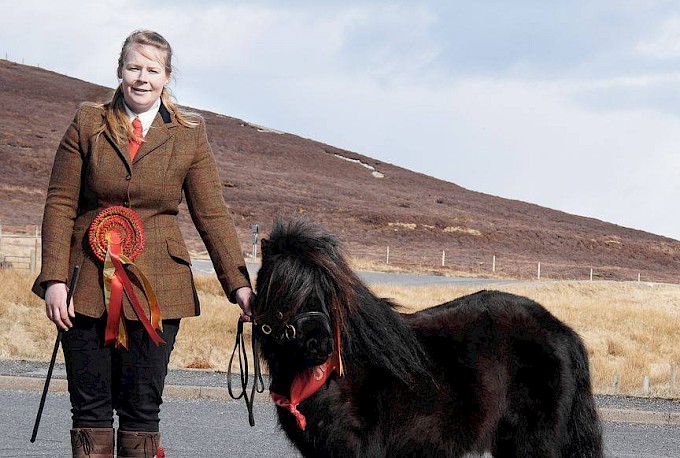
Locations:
{"points": [[191, 428], [215, 428], [203, 266], [214, 425]]}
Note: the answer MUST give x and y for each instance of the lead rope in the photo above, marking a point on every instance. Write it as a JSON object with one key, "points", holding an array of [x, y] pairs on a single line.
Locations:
{"points": [[258, 384]]}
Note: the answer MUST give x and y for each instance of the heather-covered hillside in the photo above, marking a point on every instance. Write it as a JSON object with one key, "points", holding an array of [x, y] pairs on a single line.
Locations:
{"points": [[370, 205]]}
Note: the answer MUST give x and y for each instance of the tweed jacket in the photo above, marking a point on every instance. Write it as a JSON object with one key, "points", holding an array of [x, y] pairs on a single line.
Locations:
{"points": [[91, 172]]}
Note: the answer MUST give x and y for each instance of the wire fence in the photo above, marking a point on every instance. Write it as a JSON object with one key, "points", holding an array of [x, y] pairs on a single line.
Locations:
{"points": [[20, 248], [488, 264]]}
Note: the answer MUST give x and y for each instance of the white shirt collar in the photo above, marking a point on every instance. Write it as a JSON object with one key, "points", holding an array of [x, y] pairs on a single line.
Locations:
{"points": [[147, 117]]}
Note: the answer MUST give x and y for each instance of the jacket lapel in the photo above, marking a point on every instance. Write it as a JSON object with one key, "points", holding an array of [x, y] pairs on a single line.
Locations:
{"points": [[158, 134], [120, 149]]}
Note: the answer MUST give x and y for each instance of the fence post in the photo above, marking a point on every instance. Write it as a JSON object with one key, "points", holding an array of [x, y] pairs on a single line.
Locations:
{"points": [[256, 231], [37, 245], [493, 264], [616, 383], [443, 257], [645, 385], [638, 276], [539, 270], [387, 259], [591, 274]]}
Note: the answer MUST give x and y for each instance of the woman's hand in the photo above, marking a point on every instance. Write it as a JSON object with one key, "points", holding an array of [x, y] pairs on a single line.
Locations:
{"points": [[243, 297], [55, 305]]}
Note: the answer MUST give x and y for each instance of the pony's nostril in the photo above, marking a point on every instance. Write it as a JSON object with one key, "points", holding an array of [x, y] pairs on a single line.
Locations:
{"points": [[316, 346], [312, 345], [327, 346]]}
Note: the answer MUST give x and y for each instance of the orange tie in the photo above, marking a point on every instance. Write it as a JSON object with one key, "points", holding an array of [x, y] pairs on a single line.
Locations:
{"points": [[135, 143]]}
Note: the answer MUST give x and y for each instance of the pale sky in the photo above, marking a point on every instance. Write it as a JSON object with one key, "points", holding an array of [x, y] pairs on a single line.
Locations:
{"points": [[573, 105]]}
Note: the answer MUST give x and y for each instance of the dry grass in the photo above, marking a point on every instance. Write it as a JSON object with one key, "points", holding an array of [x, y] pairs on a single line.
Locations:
{"points": [[26, 333], [206, 342], [631, 330]]}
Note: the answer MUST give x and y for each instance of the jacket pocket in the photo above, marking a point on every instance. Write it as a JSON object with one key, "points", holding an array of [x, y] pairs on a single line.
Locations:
{"points": [[178, 251]]}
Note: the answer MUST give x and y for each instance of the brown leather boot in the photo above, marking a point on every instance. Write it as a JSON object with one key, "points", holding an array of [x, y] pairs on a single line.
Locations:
{"points": [[92, 442], [140, 444]]}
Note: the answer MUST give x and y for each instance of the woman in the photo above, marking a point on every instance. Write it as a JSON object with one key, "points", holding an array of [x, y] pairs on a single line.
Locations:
{"points": [[110, 169]]}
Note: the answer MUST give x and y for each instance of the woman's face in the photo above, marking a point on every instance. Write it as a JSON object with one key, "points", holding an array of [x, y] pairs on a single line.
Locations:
{"points": [[143, 77]]}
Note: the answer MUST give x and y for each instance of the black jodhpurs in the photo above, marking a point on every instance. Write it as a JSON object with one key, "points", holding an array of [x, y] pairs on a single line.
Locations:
{"points": [[101, 379]]}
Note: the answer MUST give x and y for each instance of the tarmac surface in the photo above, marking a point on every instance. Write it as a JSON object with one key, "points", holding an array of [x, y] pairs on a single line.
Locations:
{"points": [[209, 384], [200, 419]]}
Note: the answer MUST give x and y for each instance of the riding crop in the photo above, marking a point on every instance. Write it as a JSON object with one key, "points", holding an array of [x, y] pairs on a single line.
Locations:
{"points": [[69, 295]]}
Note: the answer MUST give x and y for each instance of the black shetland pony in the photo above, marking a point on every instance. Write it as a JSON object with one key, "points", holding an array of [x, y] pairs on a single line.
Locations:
{"points": [[352, 377]]}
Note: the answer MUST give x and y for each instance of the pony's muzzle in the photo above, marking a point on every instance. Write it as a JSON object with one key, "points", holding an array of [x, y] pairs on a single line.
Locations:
{"points": [[314, 337]]}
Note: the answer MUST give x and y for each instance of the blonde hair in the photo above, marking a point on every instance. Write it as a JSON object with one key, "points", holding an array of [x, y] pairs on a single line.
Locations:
{"points": [[116, 121]]}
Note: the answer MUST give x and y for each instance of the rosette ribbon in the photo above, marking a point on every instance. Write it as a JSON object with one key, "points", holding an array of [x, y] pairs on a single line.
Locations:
{"points": [[117, 238]]}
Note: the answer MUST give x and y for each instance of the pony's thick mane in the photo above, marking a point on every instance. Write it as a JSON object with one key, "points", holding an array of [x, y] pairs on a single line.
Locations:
{"points": [[304, 260]]}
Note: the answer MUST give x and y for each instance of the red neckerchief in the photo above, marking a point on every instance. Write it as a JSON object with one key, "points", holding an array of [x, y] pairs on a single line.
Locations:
{"points": [[306, 384]]}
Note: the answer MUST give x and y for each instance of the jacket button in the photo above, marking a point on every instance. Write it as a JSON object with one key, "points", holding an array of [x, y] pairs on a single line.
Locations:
{"points": [[128, 177], [126, 203]]}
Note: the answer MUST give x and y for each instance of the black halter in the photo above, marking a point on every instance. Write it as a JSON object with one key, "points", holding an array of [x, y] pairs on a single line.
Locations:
{"points": [[307, 336], [297, 327]]}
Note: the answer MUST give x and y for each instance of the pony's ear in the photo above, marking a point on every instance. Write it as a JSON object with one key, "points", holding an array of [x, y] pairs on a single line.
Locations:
{"points": [[265, 244]]}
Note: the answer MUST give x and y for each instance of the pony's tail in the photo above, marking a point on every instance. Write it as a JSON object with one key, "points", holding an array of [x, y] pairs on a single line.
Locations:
{"points": [[584, 428]]}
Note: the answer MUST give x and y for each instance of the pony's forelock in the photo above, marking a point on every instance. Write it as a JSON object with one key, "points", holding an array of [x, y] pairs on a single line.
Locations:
{"points": [[309, 259]]}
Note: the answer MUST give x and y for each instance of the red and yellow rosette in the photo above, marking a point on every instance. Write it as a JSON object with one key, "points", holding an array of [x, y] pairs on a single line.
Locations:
{"points": [[117, 238]]}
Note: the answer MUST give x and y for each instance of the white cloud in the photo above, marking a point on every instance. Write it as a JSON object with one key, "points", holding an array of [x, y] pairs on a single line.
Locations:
{"points": [[665, 44]]}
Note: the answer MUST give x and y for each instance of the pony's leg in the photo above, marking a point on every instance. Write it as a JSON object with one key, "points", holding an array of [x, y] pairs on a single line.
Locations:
{"points": [[504, 445], [515, 441], [509, 449]]}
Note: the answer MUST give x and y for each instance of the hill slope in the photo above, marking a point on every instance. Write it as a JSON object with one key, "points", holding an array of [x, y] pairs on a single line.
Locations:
{"points": [[371, 205]]}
